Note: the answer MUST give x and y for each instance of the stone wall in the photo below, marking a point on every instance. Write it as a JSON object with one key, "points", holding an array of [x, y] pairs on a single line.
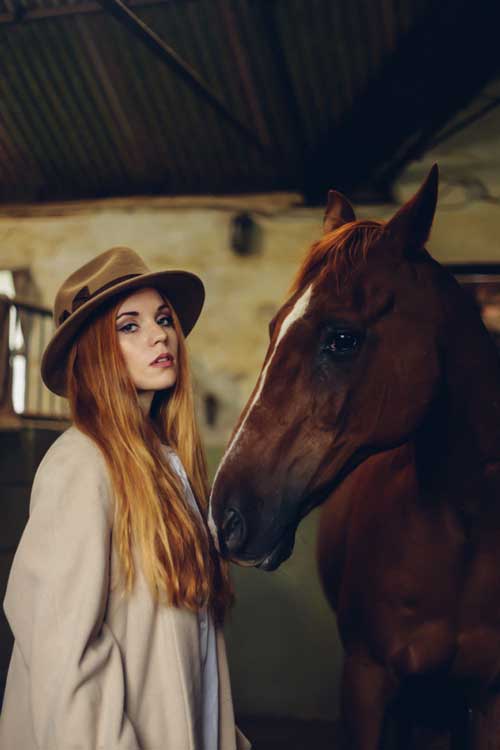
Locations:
{"points": [[243, 292]]}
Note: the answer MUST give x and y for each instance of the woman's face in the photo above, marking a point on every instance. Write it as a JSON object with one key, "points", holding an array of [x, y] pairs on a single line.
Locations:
{"points": [[145, 331]]}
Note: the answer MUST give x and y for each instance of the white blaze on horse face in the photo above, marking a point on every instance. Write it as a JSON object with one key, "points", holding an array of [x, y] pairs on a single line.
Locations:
{"points": [[298, 311]]}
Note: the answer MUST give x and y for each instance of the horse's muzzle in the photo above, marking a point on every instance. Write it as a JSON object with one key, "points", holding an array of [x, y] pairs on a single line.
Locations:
{"points": [[233, 531], [279, 554], [235, 542]]}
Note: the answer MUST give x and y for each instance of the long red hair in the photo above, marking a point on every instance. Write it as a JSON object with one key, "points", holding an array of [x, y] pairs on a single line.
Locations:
{"points": [[151, 514]]}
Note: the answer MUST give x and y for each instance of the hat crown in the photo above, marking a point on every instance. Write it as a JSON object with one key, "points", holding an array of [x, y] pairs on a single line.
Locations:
{"points": [[105, 270]]}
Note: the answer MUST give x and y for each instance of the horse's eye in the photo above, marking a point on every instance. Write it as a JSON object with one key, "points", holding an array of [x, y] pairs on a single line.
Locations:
{"points": [[342, 343]]}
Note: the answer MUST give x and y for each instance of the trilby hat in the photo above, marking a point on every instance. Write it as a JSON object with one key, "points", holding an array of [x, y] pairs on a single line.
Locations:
{"points": [[116, 270]]}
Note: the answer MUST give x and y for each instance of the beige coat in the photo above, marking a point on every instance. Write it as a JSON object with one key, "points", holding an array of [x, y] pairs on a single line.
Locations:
{"points": [[90, 670]]}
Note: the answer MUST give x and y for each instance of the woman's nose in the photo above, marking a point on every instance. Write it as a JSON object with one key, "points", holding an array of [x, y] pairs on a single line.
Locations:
{"points": [[159, 333]]}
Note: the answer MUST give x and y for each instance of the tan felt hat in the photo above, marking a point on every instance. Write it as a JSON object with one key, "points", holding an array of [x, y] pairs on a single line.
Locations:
{"points": [[116, 270]]}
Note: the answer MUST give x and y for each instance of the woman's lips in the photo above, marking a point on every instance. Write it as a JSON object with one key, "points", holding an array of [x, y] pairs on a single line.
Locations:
{"points": [[168, 362]]}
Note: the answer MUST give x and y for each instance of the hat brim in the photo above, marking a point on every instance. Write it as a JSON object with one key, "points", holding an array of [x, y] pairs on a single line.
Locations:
{"points": [[183, 289]]}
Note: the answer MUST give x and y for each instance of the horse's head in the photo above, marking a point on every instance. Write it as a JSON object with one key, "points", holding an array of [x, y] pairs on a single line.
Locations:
{"points": [[352, 366]]}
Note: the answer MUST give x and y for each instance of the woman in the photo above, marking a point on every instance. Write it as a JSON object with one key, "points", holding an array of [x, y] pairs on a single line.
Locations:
{"points": [[116, 595]]}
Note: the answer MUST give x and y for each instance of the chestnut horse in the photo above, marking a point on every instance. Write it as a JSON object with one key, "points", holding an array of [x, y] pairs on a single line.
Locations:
{"points": [[379, 397]]}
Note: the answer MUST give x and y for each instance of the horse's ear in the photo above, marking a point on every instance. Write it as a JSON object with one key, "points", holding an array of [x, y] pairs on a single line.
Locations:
{"points": [[410, 227], [338, 211]]}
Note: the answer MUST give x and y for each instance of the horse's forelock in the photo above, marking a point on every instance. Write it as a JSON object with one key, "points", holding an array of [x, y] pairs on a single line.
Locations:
{"points": [[338, 253]]}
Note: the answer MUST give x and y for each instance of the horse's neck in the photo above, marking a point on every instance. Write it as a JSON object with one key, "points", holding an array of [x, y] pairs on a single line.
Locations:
{"points": [[458, 447]]}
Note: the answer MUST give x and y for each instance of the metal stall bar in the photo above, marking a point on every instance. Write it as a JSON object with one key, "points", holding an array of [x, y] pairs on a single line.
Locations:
{"points": [[56, 410]]}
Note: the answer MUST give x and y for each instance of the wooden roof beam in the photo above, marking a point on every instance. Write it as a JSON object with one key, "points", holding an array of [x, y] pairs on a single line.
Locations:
{"points": [[170, 57], [17, 13]]}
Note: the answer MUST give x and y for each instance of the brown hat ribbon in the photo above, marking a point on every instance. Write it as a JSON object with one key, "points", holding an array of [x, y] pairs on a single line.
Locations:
{"points": [[84, 295]]}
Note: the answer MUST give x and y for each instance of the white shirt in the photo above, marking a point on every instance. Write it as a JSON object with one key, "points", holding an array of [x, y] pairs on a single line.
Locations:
{"points": [[208, 648]]}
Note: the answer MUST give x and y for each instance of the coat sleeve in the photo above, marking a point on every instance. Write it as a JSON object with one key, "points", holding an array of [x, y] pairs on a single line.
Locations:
{"points": [[55, 604]]}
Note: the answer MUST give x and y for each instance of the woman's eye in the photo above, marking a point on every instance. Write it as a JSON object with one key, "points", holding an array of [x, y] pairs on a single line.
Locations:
{"points": [[342, 343], [165, 320], [126, 327]]}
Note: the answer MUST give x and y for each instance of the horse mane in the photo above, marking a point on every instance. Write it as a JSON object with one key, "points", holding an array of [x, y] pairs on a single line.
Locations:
{"points": [[338, 252]]}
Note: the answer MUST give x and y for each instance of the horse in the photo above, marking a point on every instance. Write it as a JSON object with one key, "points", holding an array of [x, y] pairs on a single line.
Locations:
{"points": [[379, 399]]}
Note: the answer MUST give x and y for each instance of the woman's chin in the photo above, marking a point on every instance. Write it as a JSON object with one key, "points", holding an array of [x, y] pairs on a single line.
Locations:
{"points": [[164, 380]]}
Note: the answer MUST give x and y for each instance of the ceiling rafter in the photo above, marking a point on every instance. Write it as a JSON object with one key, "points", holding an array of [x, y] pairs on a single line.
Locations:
{"points": [[18, 14], [169, 56], [417, 91], [225, 96]]}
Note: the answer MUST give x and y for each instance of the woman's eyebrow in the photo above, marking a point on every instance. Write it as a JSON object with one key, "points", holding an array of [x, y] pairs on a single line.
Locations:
{"points": [[134, 312]]}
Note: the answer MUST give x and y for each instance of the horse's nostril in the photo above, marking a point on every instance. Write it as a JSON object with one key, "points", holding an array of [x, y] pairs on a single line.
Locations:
{"points": [[233, 529]]}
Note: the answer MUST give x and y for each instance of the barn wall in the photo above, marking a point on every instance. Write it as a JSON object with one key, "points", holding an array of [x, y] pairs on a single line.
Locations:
{"points": [[243, 293]]}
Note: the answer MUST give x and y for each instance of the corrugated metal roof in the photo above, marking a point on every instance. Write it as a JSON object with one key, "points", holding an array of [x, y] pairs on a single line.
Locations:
{"points": [[88, 110]]}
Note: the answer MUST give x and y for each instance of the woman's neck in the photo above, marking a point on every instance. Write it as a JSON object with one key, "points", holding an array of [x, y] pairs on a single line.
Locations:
{"points": [[145, 398]]}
